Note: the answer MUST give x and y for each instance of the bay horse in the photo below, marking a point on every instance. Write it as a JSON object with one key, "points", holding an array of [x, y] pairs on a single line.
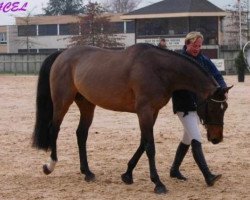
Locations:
{"points": [[139, 79]]}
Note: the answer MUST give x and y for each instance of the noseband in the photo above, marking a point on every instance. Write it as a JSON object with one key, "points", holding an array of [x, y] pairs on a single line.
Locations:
{"points": [[206, 120], [219, 101]]}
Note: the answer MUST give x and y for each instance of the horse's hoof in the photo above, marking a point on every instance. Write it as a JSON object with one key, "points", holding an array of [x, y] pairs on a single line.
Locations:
{"points": [[46, 170], [90, 177], [160, 189], [128, 179], [212, 179], [83, 171]]}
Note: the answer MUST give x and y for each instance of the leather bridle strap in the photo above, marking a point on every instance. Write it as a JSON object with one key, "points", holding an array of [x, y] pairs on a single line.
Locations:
{"points": [[206, 121]]}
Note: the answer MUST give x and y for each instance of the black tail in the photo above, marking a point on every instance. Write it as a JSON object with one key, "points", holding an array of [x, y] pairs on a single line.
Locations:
{"points": [[44, 105]]}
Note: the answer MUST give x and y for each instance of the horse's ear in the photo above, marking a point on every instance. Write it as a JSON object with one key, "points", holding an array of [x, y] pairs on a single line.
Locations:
{"points": [[227, 88]]}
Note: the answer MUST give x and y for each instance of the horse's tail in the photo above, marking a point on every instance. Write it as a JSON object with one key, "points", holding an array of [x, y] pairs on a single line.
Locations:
{"points": [[44, 105]]}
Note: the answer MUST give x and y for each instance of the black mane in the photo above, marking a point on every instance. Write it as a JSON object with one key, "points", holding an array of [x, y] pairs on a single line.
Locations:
{"points": [[203, 69]]}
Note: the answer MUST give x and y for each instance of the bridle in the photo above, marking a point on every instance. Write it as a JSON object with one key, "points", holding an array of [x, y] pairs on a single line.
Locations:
{"points": [[219, 101], [206, 120]]}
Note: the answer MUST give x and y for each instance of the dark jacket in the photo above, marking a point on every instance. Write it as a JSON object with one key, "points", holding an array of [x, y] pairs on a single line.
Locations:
{"points": [[184, 100]]}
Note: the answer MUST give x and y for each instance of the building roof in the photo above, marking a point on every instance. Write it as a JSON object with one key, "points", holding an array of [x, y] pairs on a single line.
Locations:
{"points": [[34, 20], [176, 8]]}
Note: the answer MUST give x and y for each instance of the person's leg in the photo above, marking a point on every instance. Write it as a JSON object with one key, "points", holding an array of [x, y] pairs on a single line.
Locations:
{"points": [[190, 124], [202, 164], [179, 156], [192, 134], [186, 139], [183, 147]]}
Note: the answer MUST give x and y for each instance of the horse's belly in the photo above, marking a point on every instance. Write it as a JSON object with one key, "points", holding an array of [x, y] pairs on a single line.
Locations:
{"points": [[116, 105], [112, 101]]}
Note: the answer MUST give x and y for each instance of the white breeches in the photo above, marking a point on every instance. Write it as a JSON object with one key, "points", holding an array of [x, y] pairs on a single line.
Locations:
{"points": [[191, 127]]}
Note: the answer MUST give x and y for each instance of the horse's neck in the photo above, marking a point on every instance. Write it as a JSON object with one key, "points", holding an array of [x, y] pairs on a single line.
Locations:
{"points": [[182, 73]]}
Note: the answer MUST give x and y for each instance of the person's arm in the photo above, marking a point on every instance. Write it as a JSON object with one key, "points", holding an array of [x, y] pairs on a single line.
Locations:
{"points": [[216, 73]]}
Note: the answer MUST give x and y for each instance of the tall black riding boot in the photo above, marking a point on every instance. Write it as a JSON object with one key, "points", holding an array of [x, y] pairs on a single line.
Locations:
{"points": [[201, 162], [179, 156]]}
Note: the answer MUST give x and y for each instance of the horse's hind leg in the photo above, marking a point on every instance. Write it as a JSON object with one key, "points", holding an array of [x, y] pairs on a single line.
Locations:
{"points": [[53, 134], [60, 108], [87, 114]]}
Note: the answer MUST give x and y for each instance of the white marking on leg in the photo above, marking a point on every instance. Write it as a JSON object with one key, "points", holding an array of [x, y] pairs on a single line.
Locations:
{"points": [[51, 165]]}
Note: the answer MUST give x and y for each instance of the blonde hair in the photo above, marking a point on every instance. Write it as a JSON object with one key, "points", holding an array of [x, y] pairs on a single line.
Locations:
{"points": [[192, 37]]}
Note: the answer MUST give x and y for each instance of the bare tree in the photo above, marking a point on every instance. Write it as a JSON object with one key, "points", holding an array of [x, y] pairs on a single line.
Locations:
{"points": [[23, 32], [121, 6], [96, 29], [26, 32], [235, 23]]}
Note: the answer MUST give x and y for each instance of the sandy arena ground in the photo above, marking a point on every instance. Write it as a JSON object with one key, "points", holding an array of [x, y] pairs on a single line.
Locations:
{"points": [[112, 141]]}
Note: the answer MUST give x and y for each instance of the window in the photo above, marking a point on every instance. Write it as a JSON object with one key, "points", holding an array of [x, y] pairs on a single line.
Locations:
{"points": [[47, 50], [26, 51], [208, 26], [118, 27], [68, 29], [48, 29], [158, 27], [26, 30], [130, 27], [3, 38]]}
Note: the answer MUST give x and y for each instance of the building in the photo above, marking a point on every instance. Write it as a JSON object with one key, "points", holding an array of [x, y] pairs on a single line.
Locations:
{"points": [[3, 39], [173, 19], [231, 26], [169, 19], [45, 34]]}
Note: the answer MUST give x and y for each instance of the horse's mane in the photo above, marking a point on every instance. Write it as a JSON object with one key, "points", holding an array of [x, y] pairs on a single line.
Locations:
{"points": [[197, 64]]}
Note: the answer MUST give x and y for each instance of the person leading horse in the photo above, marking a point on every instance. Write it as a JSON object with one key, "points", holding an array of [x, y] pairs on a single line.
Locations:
{"points": [[185, 106]]}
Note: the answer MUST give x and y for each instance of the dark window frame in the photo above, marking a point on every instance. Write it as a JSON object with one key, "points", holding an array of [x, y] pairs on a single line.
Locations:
{"points": [[69, 29], [168, 27], [118, 27], [52, 50], [26, 51], [130, 27], [208, 26], [26, 30], [47, 29], [3, 38]]}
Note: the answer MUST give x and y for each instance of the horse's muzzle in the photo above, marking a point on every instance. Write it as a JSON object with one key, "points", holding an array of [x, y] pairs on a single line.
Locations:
{"points": [[214, 133], [216, 141]]}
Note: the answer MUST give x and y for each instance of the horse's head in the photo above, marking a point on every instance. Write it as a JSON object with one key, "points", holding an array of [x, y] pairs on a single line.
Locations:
{"points": [[211, 112]]}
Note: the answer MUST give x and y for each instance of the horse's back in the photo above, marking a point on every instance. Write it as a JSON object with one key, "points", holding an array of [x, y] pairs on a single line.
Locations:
{"points": [[98, 74]]}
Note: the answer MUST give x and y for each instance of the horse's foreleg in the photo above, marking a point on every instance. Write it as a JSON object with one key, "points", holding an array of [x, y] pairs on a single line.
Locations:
{"points": [[147, 120], [150, 150], [87, 114], [127, 177]]}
